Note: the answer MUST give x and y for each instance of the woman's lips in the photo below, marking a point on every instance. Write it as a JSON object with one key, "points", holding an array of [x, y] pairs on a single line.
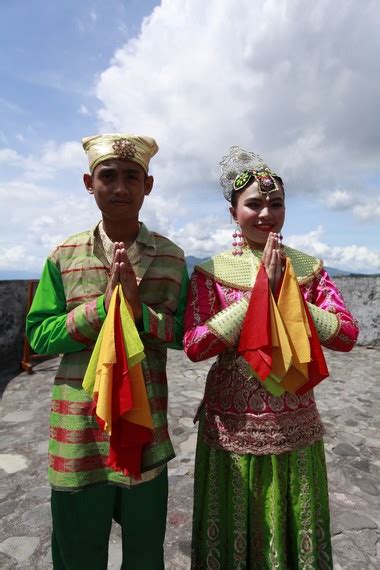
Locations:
{"points": [[264, 228]]}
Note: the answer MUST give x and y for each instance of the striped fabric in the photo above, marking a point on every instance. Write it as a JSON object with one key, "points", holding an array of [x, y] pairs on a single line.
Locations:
{"points": [[67, 313]]}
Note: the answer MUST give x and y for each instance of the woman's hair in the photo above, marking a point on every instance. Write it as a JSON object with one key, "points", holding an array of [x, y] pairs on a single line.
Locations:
{"points": [[236, 193]]}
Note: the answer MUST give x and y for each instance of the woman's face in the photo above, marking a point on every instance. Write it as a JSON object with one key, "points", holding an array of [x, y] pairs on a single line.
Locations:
{"points": [[259, 214]]}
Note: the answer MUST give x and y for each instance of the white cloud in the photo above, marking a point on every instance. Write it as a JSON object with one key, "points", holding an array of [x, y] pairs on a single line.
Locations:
{"points": [[67, 155], [270, 76], [52, 158], [16, 257], [350, 258], [204, 237], [369, 210], [339, 199], [9, 156], [35, 217], [365, 206]]}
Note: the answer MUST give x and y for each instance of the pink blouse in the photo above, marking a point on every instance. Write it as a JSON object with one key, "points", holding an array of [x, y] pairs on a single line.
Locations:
{"points": [[240, 415]]}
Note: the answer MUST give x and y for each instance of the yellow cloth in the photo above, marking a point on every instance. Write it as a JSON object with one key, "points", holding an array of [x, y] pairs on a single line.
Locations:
{"points": [[290, 334], [98, 378], [139, 149], [140, 413]]}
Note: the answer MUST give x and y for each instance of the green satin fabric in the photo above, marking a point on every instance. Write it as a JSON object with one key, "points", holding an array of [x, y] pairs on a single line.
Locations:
{"points": [[261, 512]]}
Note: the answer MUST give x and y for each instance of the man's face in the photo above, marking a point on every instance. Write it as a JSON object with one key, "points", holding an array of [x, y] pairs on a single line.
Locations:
{"points": [[119, 187]]}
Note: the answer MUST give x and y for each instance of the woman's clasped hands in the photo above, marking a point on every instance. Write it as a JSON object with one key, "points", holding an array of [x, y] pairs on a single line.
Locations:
{"points": [[274, 259]]}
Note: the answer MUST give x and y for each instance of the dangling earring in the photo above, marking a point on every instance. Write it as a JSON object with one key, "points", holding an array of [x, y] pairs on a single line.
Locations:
{"points": [[238, 241]]}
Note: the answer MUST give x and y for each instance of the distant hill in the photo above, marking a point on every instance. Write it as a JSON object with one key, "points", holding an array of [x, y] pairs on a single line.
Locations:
{"points": [[192, 261], [336, 272]]}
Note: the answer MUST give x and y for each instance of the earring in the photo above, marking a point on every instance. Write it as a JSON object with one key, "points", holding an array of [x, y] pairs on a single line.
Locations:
{"points": [[238, 241]]}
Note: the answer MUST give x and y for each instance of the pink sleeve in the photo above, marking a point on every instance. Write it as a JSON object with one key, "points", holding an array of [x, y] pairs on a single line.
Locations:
{"points": [[324, 293], [199, 342]]}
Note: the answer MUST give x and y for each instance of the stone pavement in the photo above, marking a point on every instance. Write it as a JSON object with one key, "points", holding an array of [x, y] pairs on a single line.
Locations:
{"points": [[348, 404]]}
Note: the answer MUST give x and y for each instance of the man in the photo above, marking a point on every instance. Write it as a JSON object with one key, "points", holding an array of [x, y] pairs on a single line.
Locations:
{"points": [[67, 313]]}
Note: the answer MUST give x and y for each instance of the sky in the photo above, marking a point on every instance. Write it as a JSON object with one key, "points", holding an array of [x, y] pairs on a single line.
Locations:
{"points": [[294, 81]]}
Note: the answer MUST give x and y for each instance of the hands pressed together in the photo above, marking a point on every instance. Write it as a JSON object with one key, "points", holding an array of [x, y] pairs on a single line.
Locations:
{"points": [[274, 259], [121, 271]]}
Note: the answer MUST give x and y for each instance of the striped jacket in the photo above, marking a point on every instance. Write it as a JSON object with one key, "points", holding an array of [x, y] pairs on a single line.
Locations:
{"points": [[66, 316]]}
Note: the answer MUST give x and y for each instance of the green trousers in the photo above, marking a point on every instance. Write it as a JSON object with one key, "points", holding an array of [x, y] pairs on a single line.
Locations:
{"points": [[82, 523]]}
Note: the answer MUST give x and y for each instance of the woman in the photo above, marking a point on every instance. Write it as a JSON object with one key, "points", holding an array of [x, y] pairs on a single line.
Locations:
{"points": [[260, 497]]}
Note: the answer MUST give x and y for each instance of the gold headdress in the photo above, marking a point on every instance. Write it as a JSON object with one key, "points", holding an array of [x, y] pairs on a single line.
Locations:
{"points": [[138, 149]]}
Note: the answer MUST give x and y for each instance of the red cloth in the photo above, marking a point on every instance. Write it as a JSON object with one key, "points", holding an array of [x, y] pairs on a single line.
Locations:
{"points": [[127, 439], [255, 344], [317, 368]]}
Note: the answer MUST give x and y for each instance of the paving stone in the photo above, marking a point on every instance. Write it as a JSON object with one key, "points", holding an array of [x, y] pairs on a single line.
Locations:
{"points": [[20, 548], [345, 450], [186, 422], [41, 492], [5, 491], [17, 417], [348, 553], [352, 451], [189, 445], [12, 463], [353, 521]]}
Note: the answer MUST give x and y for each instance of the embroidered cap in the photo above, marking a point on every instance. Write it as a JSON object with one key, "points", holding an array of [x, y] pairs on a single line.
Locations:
{"points": [[136, 148]]}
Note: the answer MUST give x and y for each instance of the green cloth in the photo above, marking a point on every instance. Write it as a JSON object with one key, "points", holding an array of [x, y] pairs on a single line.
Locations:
{"points": [[46, 321], [82, 523], [260, 512]]}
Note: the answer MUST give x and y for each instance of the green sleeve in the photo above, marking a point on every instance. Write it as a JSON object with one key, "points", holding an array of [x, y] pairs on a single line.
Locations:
{"points": [[166, 327], [227, 324], [326, 323], [49, 328]]}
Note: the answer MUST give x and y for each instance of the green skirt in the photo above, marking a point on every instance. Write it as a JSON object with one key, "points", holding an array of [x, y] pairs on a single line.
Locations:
{"points": [[260, 512]]}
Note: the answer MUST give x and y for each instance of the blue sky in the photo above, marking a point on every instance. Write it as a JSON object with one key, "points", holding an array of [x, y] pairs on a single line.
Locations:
{"points": [[290, 84], [50, 55]]}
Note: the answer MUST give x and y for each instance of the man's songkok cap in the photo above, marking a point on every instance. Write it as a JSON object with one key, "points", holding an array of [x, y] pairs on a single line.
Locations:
{"points": [[136, 148]]}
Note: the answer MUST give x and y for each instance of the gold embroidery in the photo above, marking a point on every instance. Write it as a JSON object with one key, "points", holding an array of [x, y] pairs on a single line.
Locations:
{"points": [[124, 148], [213, 540], [239, 508]]}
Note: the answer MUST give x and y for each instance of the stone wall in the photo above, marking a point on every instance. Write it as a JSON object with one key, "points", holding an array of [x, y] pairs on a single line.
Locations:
{"points": [[13, 303], [362, 296]]}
